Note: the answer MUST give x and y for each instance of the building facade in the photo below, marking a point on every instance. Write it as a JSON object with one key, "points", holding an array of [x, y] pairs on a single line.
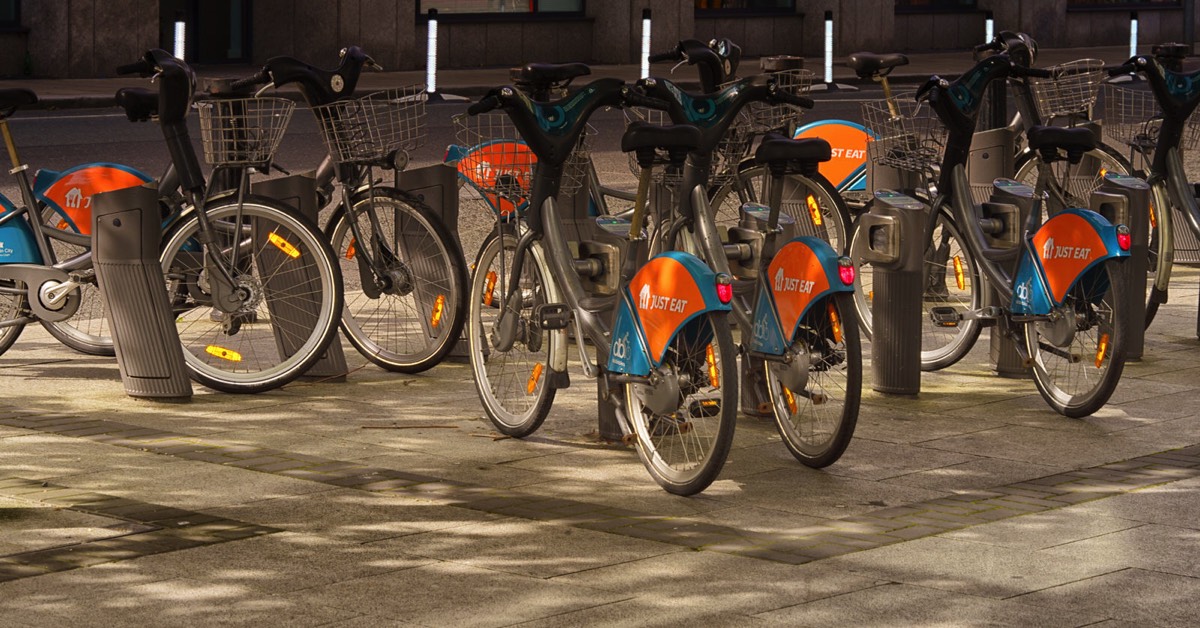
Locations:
{"points": [[89, 38]]}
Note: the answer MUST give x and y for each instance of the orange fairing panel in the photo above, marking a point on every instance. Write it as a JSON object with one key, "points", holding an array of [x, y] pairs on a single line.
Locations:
{"points": [[665, 295], [849, 149], [796, 275], [72, 194], [501, 164], [1066, 245]]}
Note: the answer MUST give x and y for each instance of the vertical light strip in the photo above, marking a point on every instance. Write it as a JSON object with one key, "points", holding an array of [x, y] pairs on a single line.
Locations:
{"points": [[989, 28], [645, 43], [828, 47], [1133, 33], [431, 54], [180, 39]]}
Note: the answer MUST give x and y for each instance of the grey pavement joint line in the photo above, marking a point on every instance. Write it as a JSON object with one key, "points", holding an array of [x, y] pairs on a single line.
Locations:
{"points": [[885, 526], [157, 530]]}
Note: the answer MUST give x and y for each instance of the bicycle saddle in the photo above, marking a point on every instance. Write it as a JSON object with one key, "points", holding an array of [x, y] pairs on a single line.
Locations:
{"points": [[868, 64], [547, 73], [139, 104], [640, 134], [777, 148], [1048, 139], [14, 97]]}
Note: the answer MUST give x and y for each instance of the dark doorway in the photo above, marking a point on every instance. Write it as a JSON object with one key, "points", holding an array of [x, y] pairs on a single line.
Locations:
{"points": [[218, 31]]}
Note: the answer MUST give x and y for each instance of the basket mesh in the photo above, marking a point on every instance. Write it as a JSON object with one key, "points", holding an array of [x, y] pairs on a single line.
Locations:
{"points": [[244, 131], [369, 129], [1132, 116], [1071, 91], [912, 140], [766, 117], [732, 148]]}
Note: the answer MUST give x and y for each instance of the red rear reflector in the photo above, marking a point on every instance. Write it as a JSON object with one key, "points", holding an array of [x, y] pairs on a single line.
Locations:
{"points": [[846, 270]]}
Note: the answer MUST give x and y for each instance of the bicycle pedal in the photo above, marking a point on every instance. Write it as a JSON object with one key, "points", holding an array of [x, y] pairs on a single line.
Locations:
{"points": [[945, 316], [552, 316]]}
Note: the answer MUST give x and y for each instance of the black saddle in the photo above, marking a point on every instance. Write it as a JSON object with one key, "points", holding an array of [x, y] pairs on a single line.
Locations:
{"points": [[784, 153], [13, 98], [1048, 140], [868, 64], [139, 104], [646, 139]]}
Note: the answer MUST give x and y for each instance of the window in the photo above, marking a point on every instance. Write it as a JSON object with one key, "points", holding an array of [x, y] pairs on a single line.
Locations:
{"points": [[934, 6], [501, 6], [745, 6], [1122, 4], [10, 14]]}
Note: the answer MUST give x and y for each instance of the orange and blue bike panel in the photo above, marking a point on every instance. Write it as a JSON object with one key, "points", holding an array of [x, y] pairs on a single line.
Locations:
{"points": [[1065, 249], [663, 296], [847, 170], [802, 273], [496, 164], [16, 238], [69, 193]]}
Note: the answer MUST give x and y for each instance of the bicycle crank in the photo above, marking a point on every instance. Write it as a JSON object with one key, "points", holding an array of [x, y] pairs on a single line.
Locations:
{"points": [[51, 293]]}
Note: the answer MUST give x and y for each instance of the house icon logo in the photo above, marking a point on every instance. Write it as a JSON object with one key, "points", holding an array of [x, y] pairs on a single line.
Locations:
{"points": [[644, 298], [779, 281]]}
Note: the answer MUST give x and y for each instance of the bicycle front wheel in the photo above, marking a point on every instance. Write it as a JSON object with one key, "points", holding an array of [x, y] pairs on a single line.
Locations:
{"points": [[951, 280], [685, 447], [288, 285], [1079, 353], [513, 377], [404, 289], [815, 397], [810, 200]]}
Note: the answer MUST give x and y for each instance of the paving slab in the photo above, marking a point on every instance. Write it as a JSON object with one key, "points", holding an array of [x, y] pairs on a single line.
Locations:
{"points": [[1132, 595], [1154, 547], [811, 492], [976, 474], [1042, 530], [29, 526], [1173, 504]]}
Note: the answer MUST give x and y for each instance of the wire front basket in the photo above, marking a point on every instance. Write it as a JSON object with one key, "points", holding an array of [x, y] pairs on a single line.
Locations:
{"points": [[766, 117], [1132, 116], [244, 131], [910, 139], [369, 130], [1071, 91]]}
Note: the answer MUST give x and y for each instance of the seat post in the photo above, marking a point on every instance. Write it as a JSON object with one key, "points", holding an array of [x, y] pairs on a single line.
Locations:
{"points": [[10, 145], [882, 79]]}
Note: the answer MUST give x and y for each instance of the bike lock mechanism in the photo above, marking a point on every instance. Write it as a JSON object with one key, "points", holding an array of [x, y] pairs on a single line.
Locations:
{"points": [[1125, 200], [125, 241], [895, 246], [1003, 219]]}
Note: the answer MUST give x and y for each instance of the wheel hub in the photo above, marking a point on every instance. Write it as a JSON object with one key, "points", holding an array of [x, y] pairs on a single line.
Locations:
{"points": [[661, 395], [1060, 329], [396, 279], [793, 373]]}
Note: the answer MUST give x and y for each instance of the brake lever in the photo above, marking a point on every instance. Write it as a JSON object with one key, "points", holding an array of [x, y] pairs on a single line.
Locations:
{"points": [[262, 91], [678, 65]]}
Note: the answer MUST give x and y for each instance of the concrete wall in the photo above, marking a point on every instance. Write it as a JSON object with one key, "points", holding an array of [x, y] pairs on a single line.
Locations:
{"points": [[938, 31], [758, 36], [87, 38]]}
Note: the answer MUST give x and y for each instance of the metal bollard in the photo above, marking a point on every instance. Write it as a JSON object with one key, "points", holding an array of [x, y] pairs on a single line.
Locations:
{"points": [[299, 191], [1123, 199], [126, 233], [894, 243], [1010, 204]]}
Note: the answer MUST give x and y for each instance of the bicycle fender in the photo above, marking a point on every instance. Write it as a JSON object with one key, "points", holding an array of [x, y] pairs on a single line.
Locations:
{"points": [[69, 193], [802, 273], [1065, 248], [664, 296], [17, 245]]}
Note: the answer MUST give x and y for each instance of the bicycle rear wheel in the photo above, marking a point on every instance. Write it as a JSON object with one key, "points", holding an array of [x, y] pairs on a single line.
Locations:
{"points": [[293, 295], [410, 318], [816, 418], [514, 384], [87, 330], [12, 305], [684, 449], [1079, 354], [810, 200]]}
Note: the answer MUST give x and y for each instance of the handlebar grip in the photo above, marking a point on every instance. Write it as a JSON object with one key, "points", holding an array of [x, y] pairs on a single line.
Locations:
{"points": [[261, 78], [991, 45], [633, 98], [1124, 68], [487, 104], [674, 55], [140, 67]]}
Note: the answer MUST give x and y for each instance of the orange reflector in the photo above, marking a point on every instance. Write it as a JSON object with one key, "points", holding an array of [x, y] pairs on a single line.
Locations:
{"points": [[223, 353], [714, 376], [959, 276], [870, 295], [1153, 219], [790, 399], [814, 210], [1103, 172], [488, 292], [534, 378], [283, 245], [350, 249], [438, 307], [836, 322], [63, 225], [1101, 349]]}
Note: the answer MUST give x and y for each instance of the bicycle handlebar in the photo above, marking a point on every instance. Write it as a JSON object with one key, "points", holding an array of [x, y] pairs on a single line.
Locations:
{"points": [[674, 55], [1129, 67], [141, 68], [788, 98], [488, 103], [261, 78]]}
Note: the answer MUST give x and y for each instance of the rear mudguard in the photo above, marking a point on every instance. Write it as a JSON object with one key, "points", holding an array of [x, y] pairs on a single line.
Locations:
{"points": [[69, 193], [803, 273], [1064, 250], [662, 298]]}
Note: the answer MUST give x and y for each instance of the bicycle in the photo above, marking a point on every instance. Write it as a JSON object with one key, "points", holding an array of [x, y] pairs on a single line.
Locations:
{"points": [[406, 279], [1061, 282], [667, 362]]}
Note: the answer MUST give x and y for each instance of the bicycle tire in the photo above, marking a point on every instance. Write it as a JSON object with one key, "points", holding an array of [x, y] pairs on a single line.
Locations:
{"points": [[1079, 185], [834, 215], [12, 305], [939, 349], [1097, 300], [819, 441], [513, 385], [410, 328], [87, 330], [285, 327], [661, 439]]}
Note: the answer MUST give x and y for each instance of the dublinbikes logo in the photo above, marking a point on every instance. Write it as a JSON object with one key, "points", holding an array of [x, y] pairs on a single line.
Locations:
{"points": [[1022, 292], [650, 301], [1052, 251], [620, 348], [787, 284]]}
